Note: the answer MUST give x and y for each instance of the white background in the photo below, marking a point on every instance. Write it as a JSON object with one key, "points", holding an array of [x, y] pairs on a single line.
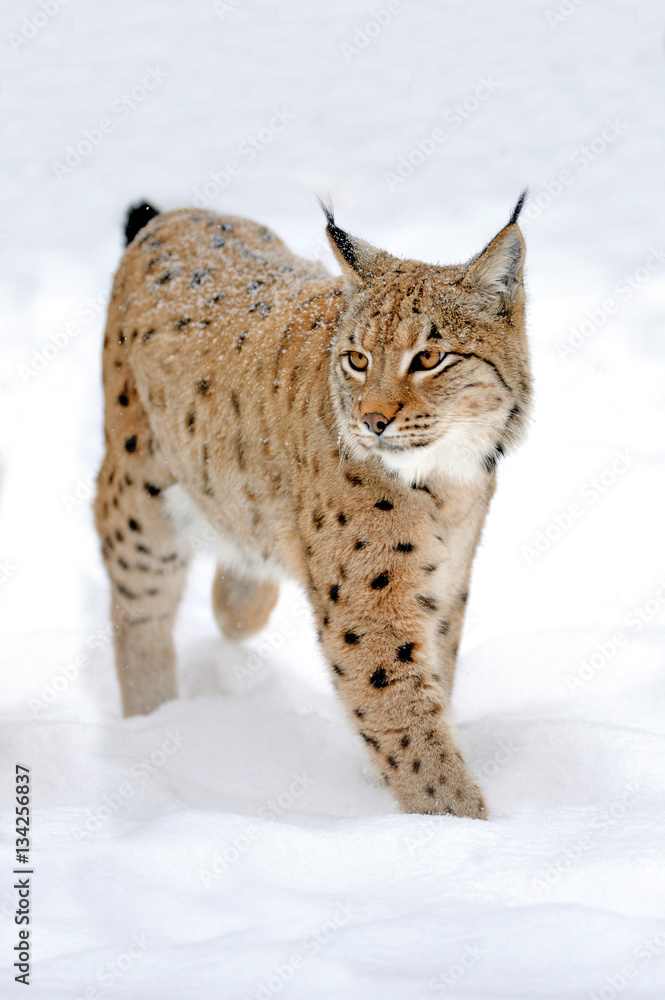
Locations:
{"points": [[326, 890]]}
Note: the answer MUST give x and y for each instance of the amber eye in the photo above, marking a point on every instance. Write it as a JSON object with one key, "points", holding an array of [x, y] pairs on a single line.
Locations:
{"points": [[425, 360], [357, 361]]}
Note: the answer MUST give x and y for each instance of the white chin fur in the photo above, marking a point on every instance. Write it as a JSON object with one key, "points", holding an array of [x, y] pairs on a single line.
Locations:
{"points": [[459, 455]]}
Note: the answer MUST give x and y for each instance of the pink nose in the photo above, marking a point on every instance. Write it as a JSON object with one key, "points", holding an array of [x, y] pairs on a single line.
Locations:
{"points": [[375, 422]]}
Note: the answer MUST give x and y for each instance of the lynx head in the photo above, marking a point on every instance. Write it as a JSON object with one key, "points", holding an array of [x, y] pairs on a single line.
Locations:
{"points": [[430, 369]]}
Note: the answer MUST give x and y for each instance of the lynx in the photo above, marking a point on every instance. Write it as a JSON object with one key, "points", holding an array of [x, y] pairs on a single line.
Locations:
{"points": [[342, 431]]}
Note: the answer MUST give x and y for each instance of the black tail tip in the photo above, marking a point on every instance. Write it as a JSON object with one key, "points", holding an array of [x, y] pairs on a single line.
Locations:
{"points": [[519, 206], [138, 216]]}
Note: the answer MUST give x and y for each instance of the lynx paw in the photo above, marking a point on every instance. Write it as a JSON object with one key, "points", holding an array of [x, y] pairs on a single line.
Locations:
{"points": [[441, 790]]}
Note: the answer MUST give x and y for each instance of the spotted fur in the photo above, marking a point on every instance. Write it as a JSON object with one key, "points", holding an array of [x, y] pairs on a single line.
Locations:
{"points": [[233, 414]]}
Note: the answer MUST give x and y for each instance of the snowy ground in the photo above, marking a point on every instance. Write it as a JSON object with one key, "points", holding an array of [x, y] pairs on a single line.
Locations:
{"points": [[234, 845]]}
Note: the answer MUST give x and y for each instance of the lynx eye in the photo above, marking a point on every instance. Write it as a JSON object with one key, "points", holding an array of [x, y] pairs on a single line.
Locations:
{"points": [[425, 360], [357, 361]]}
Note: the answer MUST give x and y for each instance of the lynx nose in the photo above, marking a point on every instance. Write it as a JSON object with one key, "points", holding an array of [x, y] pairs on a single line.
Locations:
{"points": [[375, 422]]}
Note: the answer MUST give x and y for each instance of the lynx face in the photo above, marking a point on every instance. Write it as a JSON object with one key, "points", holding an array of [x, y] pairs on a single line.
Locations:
{"points": [[430, 366]]}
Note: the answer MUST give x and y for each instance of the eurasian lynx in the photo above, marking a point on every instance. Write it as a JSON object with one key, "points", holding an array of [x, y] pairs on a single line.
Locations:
{"points": [[343, 431]]}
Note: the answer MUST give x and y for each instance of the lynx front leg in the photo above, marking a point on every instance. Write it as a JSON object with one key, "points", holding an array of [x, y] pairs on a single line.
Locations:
{"points": [[147, 564], [386, 676], [390, 639]]}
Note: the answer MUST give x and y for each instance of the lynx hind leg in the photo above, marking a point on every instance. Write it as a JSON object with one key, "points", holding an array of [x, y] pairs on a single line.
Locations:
{"points": [[146, 562], [241, 604]]}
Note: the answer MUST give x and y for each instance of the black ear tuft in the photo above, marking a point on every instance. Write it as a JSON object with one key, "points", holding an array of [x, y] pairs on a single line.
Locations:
{"points": [[138, 216], [327, 209], [340, 238], [518, 207]]}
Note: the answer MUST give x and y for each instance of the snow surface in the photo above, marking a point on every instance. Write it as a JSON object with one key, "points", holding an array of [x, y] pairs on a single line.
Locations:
{"points": [[234, 844]]}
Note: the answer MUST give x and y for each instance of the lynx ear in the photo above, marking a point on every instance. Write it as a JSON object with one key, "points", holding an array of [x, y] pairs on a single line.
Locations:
{"points": [[497, 272], [359, 260]]}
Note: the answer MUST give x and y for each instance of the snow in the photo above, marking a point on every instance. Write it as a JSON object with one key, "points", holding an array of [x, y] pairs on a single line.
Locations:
{"points": [[234, 844]]}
